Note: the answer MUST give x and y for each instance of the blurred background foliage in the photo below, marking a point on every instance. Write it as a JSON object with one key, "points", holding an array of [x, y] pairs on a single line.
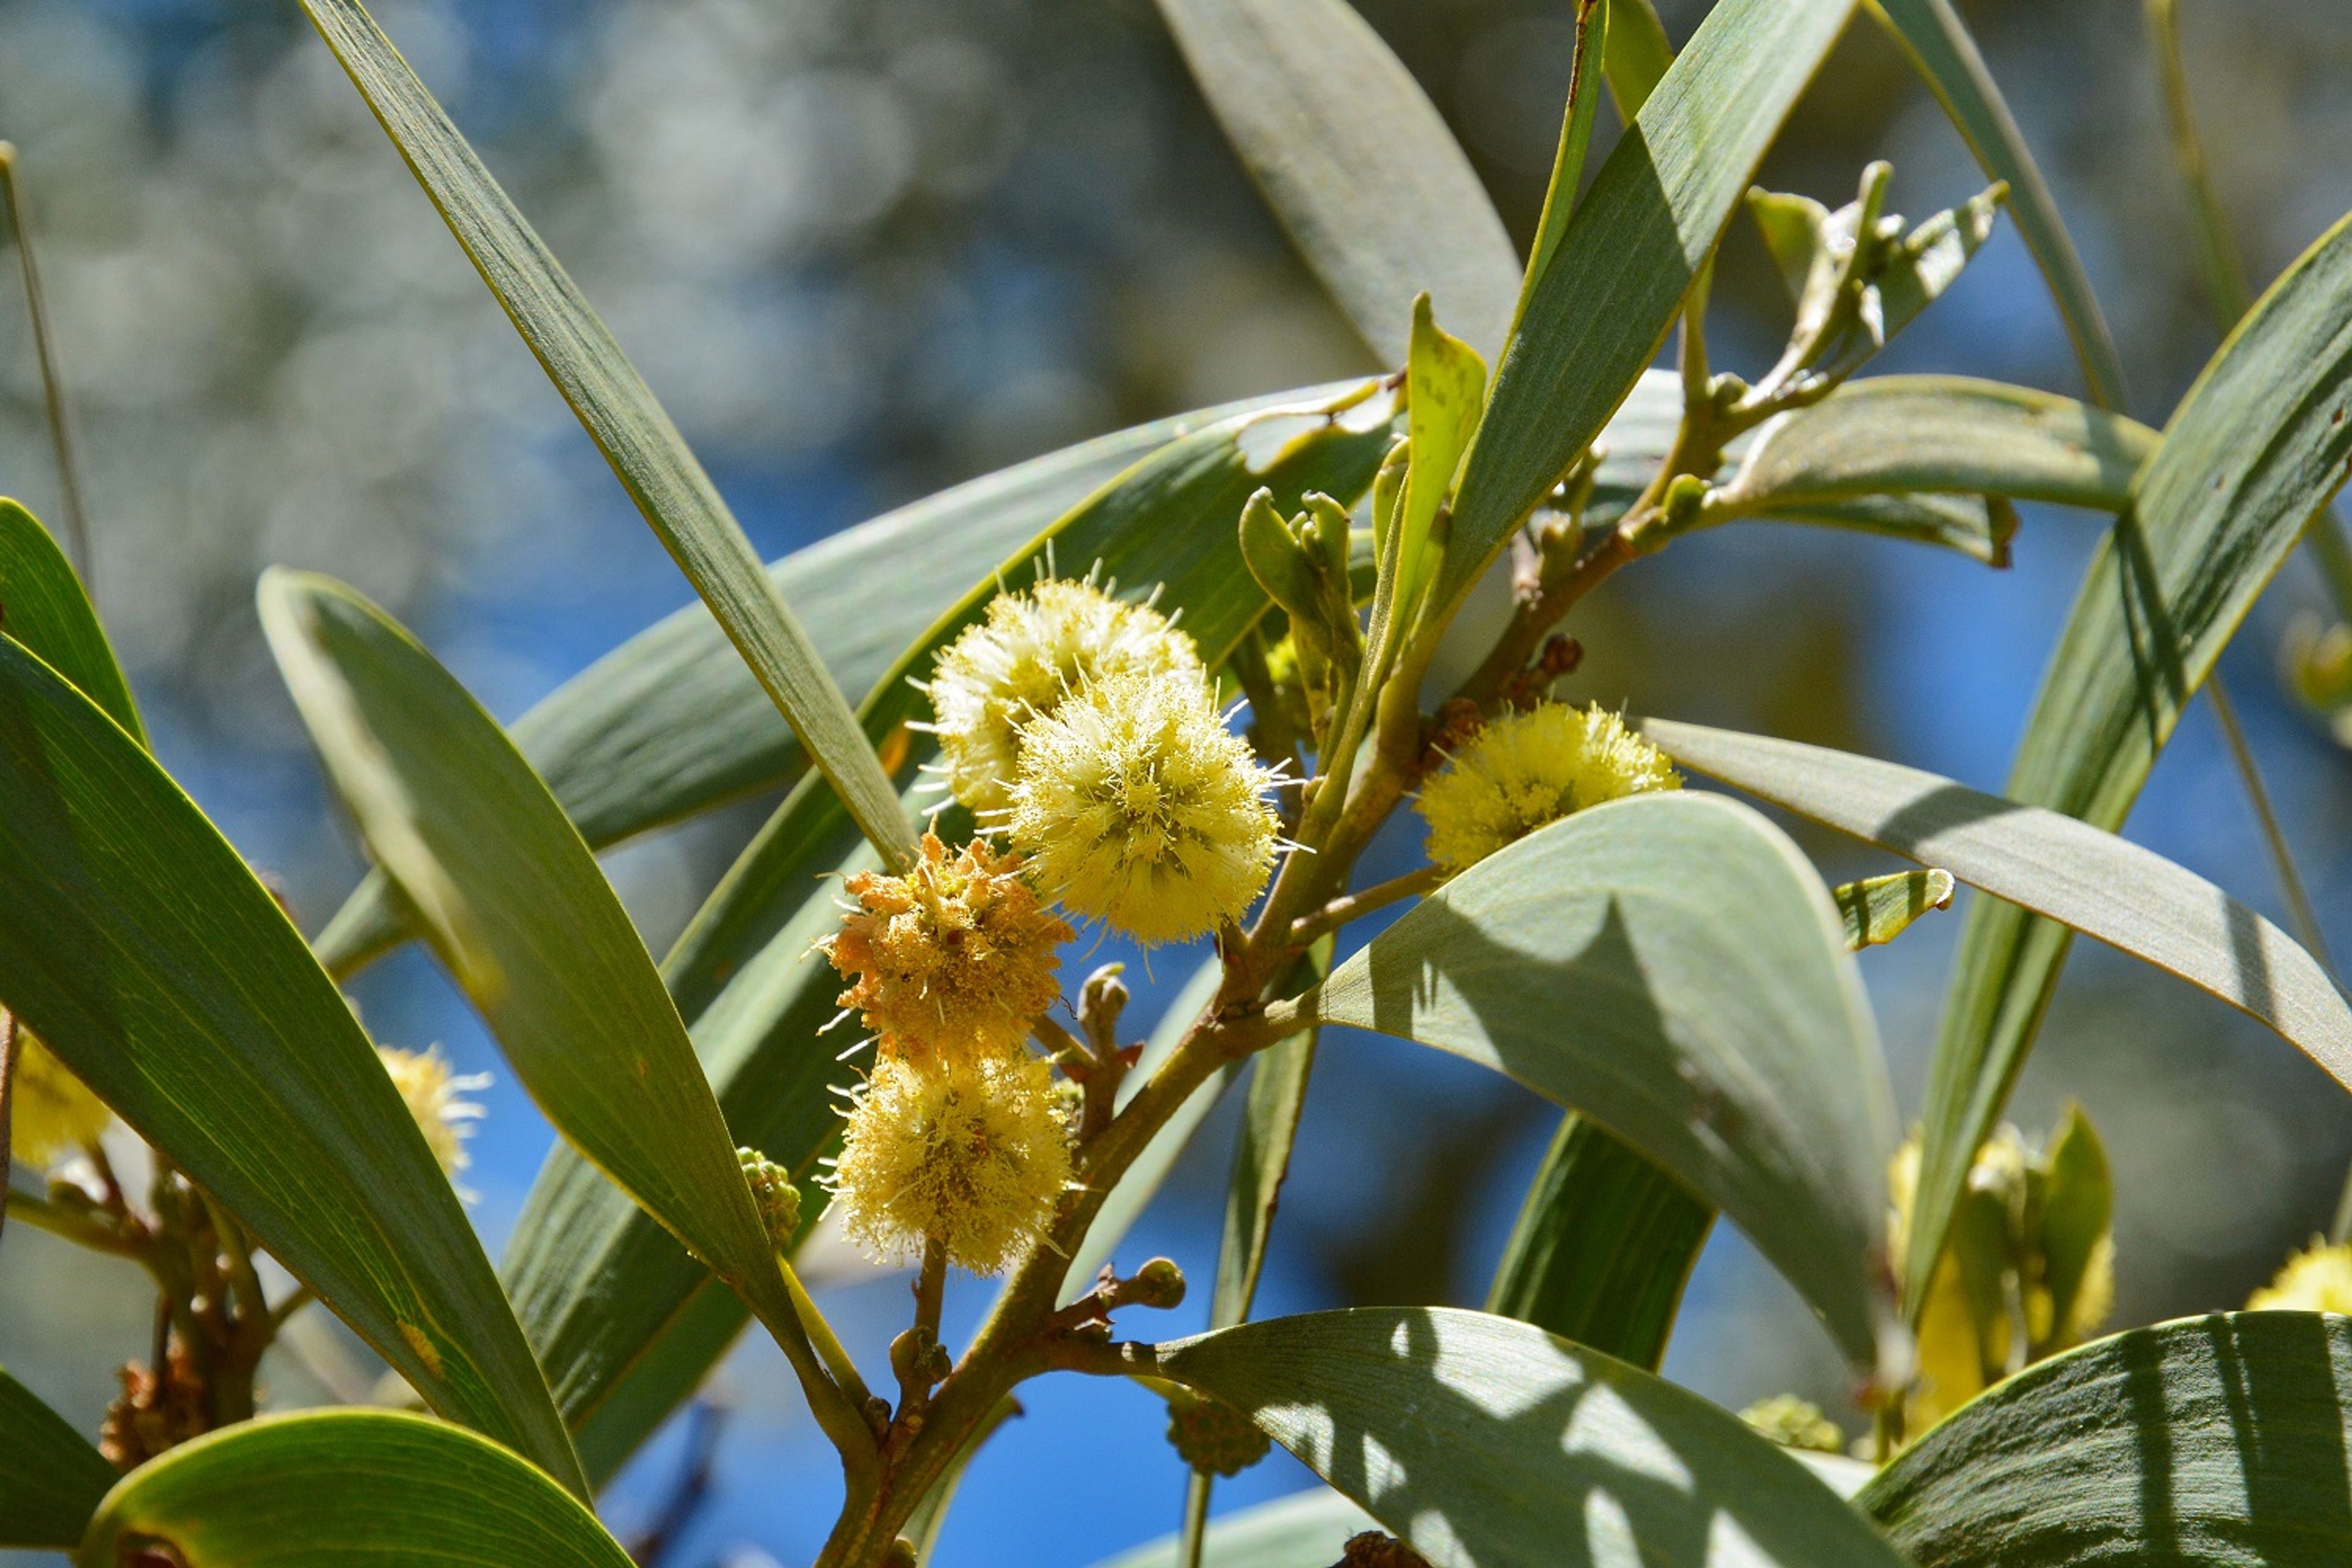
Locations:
{"points": [[866, 248]]}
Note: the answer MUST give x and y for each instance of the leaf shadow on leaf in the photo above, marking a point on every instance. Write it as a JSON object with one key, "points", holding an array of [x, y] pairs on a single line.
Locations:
{"points": [[1494, 980], [2210, 1439], [1912, 828], [1539, 1453]]}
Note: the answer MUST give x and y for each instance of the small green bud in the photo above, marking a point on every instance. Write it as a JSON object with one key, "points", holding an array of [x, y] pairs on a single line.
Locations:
{"points": [[1158, 1283], [778, 1200], [1212, 1437], [900, 1555]]}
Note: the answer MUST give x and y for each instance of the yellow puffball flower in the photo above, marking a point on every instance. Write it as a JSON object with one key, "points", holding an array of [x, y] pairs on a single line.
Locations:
{"points": [[957, 954], [2316, 1279], [1138, 807], [971, 1151], [51, 1113], [433, 1094], [1525, 770], [1023, 661]]}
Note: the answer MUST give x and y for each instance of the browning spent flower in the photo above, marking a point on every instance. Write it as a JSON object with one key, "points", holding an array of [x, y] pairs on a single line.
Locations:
{"points": [[434, 1096], [51, 1113], [1526, 770], [957, 954], [1020, 664], [1140, 808], [970, 1150]]}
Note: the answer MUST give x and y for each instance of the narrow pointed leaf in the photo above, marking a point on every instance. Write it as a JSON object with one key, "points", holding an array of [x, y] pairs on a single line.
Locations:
{"points": [[1588, 65], [1898, 435], [521, 915], [1306, 1527], [1446, 387], [2215, 1440], [2257, 447], [1483, 1442], [1638, 54], [620, 412], [1355, 161], [1720, 1024], [669, 724], [43, 606], [1277, 1094], [215, 1035], [1650, 220], [1939, 46], [50, 1477], [1603, 1246], [599, 1286], [1877, 910], [340, 1488], [2055, 866]]}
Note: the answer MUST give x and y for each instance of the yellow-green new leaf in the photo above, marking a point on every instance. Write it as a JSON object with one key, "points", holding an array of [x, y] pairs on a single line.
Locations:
{"points": [[620, 412], [1597, 315], [50, 1477], [1877, 910], [139, 946], [338, 1489], [515, 905], [44, 605], [1720, 1026], [1446, 384], [2258, 447], [1637, 55], [2055, 865], [1487, 1443], [1355, 161], [1932, 33], [2208, 1440]]}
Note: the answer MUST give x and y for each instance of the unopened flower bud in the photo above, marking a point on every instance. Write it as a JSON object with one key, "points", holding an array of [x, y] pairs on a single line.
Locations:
{"points": [[1158, 1283], [1212, 1437], [772, 1191]]}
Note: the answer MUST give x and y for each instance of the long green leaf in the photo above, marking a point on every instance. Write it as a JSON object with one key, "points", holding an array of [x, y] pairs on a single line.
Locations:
{"points": [[2210, 1440], [2256, 449], [1601, 309], [598, 1285], [517, 909], [1897, 435], [1938, 43], [1638, 54], [341, 1487], [2055, 865], [1355, 161], [139, 946], [619, 411], [1720, 1026], [669, 724], [1483, 1442], [44, 607], [50, 1477], [1309, 1527], [1603, 1246]]}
